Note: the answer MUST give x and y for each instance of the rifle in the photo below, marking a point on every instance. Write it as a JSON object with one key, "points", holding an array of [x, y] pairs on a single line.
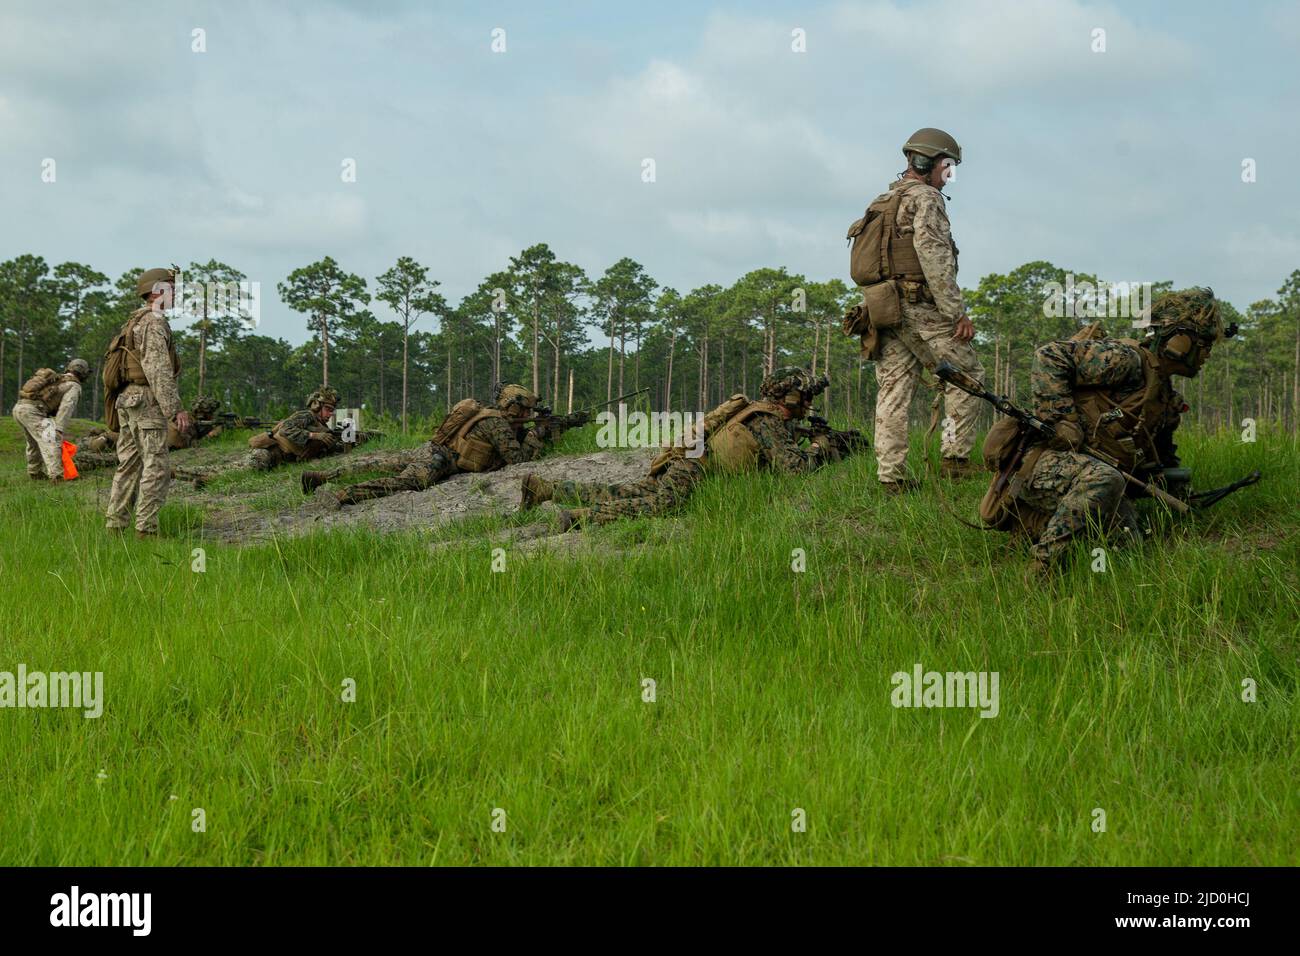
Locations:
{"points": [[549, 421], [846, 441], [949, 373], [1200, 500]]}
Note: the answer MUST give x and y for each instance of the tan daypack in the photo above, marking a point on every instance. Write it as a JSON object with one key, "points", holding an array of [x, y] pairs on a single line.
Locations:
{"points": [[732, 447], [876, 250], [472, 454], [43, 389], [460, 413]]}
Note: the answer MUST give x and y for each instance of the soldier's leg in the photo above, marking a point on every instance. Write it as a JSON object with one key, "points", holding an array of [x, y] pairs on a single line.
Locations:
{"points": [[590, 493], [898, 372], [961, 408], [1074, 489], [42, 445], [155, 475], [126, 480], [35, 460], [650, 496], [431, 464], [264, 459]]}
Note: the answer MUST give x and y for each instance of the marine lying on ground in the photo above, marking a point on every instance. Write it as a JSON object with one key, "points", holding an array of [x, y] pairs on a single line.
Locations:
{"points": [[472, 437], [46, 403], [141, 398], [739, 436], [912, 314], [1101, 432]]}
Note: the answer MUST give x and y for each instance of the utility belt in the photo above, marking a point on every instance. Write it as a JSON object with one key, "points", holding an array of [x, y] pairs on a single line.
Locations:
{"points": [[915, 292]]}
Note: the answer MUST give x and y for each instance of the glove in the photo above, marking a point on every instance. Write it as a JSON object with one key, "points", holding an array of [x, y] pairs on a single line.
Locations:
{"points": [[325, 438], [1069, 436]]}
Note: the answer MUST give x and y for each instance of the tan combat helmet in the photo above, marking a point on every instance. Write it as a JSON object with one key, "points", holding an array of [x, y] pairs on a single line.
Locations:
{"points": [[508, 395], [932, 143], [80, 368], [792, 385], [149, 280], [323, 396]]}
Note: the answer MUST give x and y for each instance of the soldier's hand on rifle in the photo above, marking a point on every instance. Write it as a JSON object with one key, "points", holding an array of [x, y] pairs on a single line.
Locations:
{"points": [[1068, 436], [183, 422], [325, 438], [964, 331]]}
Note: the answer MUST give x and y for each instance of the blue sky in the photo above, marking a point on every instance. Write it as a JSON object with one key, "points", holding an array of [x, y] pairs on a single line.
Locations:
{"points": [[1126, 163]]}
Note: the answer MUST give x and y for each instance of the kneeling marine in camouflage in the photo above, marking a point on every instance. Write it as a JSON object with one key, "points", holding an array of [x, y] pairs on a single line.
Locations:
{"points": [[739, 436], [1116, 396]]}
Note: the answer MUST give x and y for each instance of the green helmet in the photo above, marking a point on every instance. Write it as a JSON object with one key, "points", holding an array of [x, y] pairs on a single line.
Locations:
{"points": [[932, 143], [205, 407], [791, 384], [323, 396], [1193, 310], [150, 278], [80, 368]]}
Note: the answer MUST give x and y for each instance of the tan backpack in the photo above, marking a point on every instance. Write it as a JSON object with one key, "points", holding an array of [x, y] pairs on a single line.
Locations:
{"points": [[876, 251], [43, 389], [732, 447], [460, 413]]}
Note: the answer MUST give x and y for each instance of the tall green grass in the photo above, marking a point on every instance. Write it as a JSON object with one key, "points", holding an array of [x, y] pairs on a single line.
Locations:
{"points": [[523, 690]]}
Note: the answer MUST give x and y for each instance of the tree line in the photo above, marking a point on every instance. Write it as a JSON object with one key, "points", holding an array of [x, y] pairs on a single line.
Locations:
{"points": [[534, 321]]}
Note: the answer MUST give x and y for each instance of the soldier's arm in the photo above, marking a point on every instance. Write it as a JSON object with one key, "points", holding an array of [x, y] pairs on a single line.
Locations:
{"points": [[501, 435], [67, 408], [778, 448], [298, 427], [157, 364], [1060, 367], [932, 239]]}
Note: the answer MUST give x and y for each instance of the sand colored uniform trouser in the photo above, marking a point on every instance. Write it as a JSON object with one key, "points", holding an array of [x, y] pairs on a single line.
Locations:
{"points": [[143, 471], [44, 453], [922, 340]]}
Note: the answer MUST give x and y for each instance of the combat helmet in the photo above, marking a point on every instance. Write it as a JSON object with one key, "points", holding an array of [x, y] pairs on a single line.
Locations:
{"points": [[791, 385], [79, 367], [323, 396], [508, 395], [932, 143], [150, 278], [1185, 325], [205, 407]]}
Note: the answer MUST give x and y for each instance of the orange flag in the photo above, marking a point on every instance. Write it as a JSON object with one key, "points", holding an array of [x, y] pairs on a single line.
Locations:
{"points": [[69, 466]]}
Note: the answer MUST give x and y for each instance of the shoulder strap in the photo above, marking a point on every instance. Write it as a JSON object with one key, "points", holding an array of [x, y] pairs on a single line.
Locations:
{"points": [[474, 420], [754, 408]]}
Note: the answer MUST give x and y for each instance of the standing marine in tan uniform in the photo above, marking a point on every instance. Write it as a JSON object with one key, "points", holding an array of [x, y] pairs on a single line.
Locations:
{"points": [[46, 403], [913, 315], [140, 381]]}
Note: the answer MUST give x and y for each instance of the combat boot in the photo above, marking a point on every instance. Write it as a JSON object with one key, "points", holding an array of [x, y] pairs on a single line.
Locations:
{"points": [[575, 518], [311, 480], [534, 490], [958, 468], [900, 487], [145, 535]]}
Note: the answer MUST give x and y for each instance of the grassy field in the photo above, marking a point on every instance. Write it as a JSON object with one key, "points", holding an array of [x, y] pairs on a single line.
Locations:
{"points": [[522, 690]]}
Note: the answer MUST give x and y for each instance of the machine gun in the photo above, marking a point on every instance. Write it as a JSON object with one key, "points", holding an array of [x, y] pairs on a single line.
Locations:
{"points": [[1183, 505], [549, 423]]}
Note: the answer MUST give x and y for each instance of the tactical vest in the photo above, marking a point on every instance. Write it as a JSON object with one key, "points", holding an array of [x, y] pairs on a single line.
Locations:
{"points": [[45, 389], [132, 369], [474, 453], [1124, 426], [733, 448], [878, 251]]}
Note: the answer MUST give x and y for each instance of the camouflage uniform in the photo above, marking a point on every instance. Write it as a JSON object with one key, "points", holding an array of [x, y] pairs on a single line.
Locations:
{"points": [[1073, 489], [924, 338], [673, 476], [413, 470], [44, 432], [297, 429], [144, 410], [651, 495]]}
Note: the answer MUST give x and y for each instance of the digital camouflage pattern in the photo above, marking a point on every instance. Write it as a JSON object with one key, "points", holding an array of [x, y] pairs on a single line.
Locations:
{"points": [[44, 433], [297, 429], [779, 448], [652, 495], [1074, 490], [143, 472], [415, 471], [924, 338]]}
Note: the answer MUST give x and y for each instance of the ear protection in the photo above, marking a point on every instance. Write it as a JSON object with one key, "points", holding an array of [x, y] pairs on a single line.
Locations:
{"points": [[922, 164], [1178, 347]]}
